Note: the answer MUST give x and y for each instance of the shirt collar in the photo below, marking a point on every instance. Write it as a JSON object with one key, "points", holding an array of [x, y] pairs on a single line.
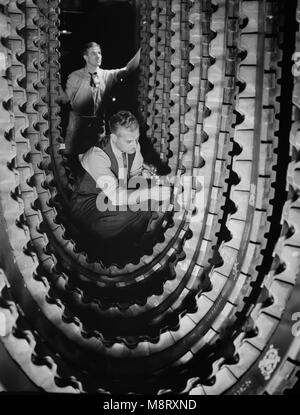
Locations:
{"points": [[87, 72]]}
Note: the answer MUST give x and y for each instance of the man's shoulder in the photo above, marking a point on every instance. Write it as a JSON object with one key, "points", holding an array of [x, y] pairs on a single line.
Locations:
{"points": [[103, 73], [94, 153], [79, 73]]}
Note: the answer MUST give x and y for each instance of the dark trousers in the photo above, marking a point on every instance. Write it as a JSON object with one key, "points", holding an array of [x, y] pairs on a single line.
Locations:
{"points": [[112, 236], [82, 133]]}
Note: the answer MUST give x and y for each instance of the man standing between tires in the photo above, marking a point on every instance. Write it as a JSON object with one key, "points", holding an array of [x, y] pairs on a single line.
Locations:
{"points": [[86, 90]]}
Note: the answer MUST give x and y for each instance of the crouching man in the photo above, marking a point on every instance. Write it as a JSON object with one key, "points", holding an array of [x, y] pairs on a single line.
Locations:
{"points": [[100, 202]]}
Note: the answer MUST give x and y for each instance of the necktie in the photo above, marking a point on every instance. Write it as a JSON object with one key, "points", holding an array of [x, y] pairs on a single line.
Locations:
{"points": [[92, 80], [125, 167]]}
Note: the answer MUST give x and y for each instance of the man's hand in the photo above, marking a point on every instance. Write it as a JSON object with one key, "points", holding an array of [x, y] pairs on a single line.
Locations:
{"points": [[149, 172]]}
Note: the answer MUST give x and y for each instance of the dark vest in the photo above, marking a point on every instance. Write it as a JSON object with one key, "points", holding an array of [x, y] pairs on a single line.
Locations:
{"points": [[87, 185]]}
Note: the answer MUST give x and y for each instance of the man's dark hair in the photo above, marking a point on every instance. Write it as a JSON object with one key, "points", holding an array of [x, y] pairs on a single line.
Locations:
{"points": [[87, 46], [123, 119]]}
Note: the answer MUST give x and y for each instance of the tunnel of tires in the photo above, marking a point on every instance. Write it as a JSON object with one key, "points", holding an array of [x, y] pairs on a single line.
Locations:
{"points": [[213, 308]]}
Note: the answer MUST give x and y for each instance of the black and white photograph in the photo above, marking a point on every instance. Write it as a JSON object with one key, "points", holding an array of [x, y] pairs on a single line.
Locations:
{"points": [[149, 201]]}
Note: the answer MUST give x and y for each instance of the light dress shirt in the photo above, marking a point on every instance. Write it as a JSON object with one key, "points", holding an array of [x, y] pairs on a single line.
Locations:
{"points": [[97, 163], [85, 100]]}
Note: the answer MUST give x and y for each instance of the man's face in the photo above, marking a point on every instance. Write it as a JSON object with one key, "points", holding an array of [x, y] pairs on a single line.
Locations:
{"points": [[93, 56], [126, 139]]}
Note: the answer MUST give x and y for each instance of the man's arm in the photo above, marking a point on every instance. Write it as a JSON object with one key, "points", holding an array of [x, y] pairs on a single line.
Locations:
{"points": [[72, 86], [133, 64], [96, 162], [120, 196]]}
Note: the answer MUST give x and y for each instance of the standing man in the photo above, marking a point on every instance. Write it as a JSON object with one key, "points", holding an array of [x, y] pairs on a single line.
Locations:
{"points": [[107, 172], [86, 90]]}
